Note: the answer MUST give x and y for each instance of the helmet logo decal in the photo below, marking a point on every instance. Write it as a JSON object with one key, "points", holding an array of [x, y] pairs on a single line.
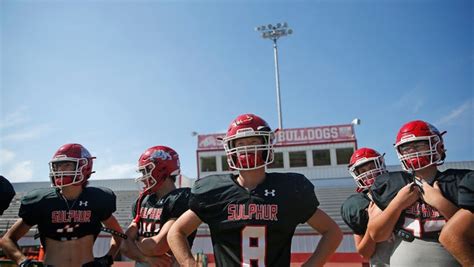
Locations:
{"points": [[85, 153], [161, 154], [245, 120], [433, 129]]}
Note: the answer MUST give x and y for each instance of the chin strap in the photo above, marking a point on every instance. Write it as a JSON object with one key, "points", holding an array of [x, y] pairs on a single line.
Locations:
{"points": [[416, 182], [113, 232], [137, 208]]}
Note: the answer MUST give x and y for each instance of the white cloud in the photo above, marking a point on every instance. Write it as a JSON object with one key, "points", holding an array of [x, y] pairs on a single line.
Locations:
{"points": [[28, 134], [21, 172], [456, 113], [6, 156], [14, 118], [125, 170], [413, 100]]}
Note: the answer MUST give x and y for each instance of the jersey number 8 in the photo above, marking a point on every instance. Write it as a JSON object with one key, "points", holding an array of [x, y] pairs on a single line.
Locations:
{"points": [[253, 246]]}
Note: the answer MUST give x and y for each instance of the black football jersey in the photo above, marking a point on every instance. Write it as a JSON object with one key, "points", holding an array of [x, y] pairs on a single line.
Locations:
{"points": [[6, 194], [424, 221], [253, 228], [155, 212], [354, 212], [466, 192], [61, 219]]}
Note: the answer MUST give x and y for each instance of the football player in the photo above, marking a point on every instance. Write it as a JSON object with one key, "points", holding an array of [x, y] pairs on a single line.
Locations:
{"points": [[416, 203], [252, 216], [156, 209], [364, 166], [457, 236], [69, 215], [6, 194]]}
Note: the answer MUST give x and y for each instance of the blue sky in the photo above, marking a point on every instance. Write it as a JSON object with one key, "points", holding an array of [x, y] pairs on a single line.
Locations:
{"points": [[121, 76]]}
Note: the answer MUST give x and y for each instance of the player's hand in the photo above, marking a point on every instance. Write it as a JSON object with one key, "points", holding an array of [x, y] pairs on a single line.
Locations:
{"points": [[407, 196], [106, 260], [161, 261], [192, 263], [371, 209], [432, 194]]}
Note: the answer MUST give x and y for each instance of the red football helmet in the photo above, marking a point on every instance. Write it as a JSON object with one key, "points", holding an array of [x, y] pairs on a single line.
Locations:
{"points": [[76, 154], [419, 145], [365, 176], [249, 157], [156, 164]]}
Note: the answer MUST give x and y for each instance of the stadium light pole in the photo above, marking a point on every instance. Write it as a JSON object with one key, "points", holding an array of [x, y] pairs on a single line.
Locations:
{"points": [[274, 32], [354, 122]]}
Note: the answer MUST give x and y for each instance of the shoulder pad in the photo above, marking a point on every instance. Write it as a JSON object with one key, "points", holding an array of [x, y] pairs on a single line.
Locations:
{"points": [[104, 200], [449, 183], [5, 186], [101, 193], [452, 174], [178, 193], [37, 195], [212, 182], [290, 178], [176, 203], [6, 194], [286, 175], [387, 185], [100, 190], [354, 213], [466, 192]]}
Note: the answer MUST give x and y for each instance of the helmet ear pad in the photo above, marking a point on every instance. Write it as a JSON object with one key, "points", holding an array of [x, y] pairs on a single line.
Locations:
{"points": [[441, 150]]}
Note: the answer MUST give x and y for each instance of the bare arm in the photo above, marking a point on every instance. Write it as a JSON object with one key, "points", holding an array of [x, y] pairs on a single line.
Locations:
{"points": [[115, 242], [156, 245], [457, 237], [433, 196], [177, 237], [365, 245], [129, 247], [381, 227], [9, 241], [331, 238]]}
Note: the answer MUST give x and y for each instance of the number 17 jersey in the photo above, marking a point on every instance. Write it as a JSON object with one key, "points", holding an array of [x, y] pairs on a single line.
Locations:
{"points": [[253, 228]]}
